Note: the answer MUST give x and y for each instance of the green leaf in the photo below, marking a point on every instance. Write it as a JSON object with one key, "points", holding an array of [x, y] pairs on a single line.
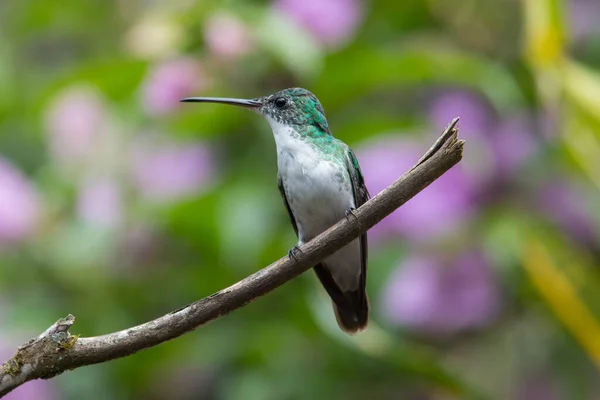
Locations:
{"points": [[358, 71]]}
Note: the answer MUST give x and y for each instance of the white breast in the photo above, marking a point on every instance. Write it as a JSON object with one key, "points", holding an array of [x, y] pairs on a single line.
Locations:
{"points": [[319, 193], [318, 190]]}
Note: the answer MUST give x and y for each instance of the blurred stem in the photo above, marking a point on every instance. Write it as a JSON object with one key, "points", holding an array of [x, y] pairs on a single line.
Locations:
{"points": [[560, 295]]}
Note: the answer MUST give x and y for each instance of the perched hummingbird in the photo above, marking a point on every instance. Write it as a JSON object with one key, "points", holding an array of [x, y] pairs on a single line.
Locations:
{"points": [[321, 182]]}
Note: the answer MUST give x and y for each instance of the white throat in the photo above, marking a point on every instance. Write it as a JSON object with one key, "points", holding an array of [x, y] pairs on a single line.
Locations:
{"points": [[285, 136]]}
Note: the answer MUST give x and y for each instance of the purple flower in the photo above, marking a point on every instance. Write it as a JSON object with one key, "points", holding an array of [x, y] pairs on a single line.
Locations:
{"points": [[438, 210], [512, 143], [564, 204], [74, 121], [442, 298], [583, 18], [19, 204], [169, 82], [184, 382], [100, 203], [332, 22], [476, 121], [38, 389], [475, 117], [496, 147], [226, 36], [537, 387], [140, 245], [164, 171]]}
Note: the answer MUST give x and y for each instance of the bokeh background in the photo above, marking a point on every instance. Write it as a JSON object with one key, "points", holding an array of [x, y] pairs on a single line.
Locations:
{"points": [[119, 204]]}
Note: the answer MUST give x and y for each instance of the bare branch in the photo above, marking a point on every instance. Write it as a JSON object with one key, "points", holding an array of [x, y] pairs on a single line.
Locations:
{"points": [[56, 350]]}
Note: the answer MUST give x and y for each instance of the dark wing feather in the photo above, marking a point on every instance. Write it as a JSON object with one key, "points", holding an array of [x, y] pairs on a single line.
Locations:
{"points": [[361, 195], [287, 205]]}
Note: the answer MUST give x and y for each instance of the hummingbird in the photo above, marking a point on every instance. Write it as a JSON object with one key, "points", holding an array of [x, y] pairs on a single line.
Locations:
{"points": [[321, 182]]}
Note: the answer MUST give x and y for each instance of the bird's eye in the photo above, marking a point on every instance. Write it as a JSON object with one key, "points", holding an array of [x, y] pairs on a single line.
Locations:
{"points": [[280, 102]]}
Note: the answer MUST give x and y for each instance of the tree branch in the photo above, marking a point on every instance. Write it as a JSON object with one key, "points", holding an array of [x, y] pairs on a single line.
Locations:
{"points": [[56, 350]]}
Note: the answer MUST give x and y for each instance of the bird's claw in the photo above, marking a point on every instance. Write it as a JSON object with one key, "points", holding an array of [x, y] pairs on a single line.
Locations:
{"points": [[292, 252], [349, 212]]}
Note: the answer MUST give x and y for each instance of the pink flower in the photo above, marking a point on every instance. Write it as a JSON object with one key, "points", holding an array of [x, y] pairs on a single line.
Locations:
{"points": [[170, 81], [226, 36], [332, 22], [164, 171], [38, 389], [74, 121], [19, 204], [442, 297], [100, 203]]}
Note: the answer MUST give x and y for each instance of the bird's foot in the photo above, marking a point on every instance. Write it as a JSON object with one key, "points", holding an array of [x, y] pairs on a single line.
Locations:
{"points": [[349, 212], [293, 251]]}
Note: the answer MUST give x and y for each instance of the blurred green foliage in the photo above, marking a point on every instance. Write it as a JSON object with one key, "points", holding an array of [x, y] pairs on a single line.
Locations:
{"points": [[119, 235]]}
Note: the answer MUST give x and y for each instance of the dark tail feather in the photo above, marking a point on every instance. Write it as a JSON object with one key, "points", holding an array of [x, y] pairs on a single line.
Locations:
{"points": [[351, 308], [352, 314]]}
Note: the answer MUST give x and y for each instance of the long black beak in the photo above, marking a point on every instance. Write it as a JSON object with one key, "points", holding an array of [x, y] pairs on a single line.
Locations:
{"points": [[224, 100]]}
